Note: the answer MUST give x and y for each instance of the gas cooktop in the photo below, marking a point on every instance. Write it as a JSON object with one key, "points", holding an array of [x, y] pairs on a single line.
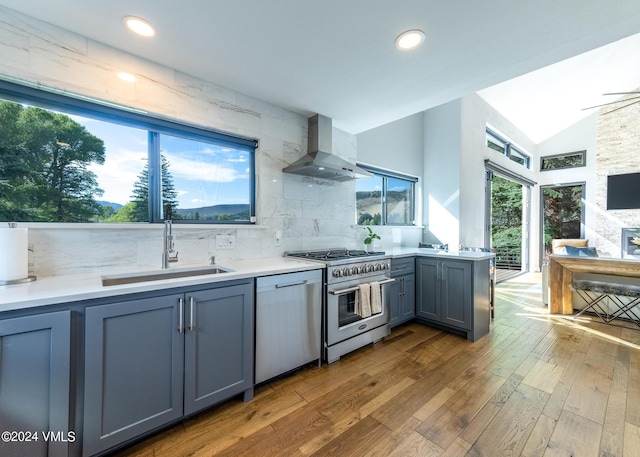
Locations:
{"points": [[332, 255]]}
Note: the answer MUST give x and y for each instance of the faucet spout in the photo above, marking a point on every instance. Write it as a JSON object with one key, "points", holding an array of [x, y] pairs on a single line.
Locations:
{"points": [[168, 254]]}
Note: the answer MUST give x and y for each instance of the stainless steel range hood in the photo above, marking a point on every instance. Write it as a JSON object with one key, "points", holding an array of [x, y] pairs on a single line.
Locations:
{"points": [[320, 162]]}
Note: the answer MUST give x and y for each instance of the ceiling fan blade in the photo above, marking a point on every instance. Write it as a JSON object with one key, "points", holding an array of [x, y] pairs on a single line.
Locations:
{"points": [[622, 93], [624, 106], [612, 103]]}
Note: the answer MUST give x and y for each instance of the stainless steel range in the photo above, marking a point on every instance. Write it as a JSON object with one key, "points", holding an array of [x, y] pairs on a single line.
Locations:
{"points": [[344, 327]]}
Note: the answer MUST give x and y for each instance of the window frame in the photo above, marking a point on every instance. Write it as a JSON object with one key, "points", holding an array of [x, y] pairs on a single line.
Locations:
{"points": [[66, 102], [385, 175], [582, 153], [510, 150]]}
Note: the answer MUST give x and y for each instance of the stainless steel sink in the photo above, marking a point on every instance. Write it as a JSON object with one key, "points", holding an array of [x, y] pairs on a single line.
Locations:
{"points": [[156, 275]]}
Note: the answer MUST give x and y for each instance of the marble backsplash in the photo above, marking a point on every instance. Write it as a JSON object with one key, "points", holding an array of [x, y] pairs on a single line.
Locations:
{"points": [[67, 251]]}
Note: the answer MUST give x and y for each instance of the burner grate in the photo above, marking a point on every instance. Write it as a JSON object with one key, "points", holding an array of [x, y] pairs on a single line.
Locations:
{"points": [[334, 254]]}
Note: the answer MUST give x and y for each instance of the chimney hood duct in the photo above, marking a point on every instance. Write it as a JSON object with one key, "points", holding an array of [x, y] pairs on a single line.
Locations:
{"points": [[320, 162]]}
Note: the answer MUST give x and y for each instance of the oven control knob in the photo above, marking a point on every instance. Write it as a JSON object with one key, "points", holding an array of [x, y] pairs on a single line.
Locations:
{"points": [[385, 266], [346, 272], [369, 268], [356, 270], [377, 267], [337, 273]]}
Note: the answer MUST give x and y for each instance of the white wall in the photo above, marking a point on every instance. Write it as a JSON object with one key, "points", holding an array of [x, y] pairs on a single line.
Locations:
{"points": [[582, 136], [398, 146], [442, 136], [310, 213], [454, 176], [476, 116]]}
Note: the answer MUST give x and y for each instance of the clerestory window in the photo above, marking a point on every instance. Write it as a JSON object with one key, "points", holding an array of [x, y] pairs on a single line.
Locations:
{"points": [[503, 146]]}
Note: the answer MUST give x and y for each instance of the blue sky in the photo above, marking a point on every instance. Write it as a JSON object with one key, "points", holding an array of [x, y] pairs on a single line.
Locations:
{"points": [[203, 174]]}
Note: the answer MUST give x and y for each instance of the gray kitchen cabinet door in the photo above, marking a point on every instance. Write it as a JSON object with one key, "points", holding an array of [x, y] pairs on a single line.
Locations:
{"points": [[456, 296], [219, 342], [428, 291], [394, 299], [408, 303], [35, 356], [402, 302], [134, 357], [402, 293]]}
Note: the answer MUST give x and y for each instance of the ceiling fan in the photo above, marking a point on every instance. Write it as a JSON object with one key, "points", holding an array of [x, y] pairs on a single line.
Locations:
{"points": [[635, 99]]}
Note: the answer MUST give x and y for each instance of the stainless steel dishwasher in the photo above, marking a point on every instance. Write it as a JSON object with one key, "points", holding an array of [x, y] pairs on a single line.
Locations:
{"points": [[288, 322]]}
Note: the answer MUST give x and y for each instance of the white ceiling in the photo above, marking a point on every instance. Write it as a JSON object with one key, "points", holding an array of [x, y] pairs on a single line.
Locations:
{"points": [[337, 57], [546, 101]]}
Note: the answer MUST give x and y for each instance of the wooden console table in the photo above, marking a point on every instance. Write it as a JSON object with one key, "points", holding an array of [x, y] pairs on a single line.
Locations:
{"points": [[562, 267]]}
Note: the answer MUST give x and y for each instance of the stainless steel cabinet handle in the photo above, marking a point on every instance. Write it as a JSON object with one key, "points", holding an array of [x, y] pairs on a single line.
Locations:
{"points": [[180, 314], [192, 303], [302, 283]]}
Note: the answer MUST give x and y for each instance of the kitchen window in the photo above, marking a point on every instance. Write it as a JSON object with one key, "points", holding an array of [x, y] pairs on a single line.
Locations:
{"points": [[387, 198], [503, 146], [74, 159]]}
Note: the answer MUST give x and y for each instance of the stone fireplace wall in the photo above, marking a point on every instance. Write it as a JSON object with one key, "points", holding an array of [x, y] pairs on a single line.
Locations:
{"points": [[618, 152]]}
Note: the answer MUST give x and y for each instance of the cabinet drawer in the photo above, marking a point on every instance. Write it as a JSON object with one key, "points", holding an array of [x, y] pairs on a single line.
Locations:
{"points": [[402, 266]]}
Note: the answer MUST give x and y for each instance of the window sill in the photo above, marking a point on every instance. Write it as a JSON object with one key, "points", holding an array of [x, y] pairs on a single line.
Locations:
{"points": [[391, 226], [131, 226]]}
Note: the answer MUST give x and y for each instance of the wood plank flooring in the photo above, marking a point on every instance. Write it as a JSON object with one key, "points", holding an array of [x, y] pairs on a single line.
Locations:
{"points": [[537, 385]]}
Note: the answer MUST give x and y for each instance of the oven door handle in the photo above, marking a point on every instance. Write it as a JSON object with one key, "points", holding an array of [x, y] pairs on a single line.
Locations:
{"points": [[353, 289]]}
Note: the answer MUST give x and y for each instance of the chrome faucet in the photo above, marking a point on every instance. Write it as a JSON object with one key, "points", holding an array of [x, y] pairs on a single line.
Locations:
{"points": [[168, 255]]}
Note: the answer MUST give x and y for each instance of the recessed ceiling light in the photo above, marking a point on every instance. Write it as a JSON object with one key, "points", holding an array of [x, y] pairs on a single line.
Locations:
{"points": [[409, 40], [139, 26], [128, 77]]}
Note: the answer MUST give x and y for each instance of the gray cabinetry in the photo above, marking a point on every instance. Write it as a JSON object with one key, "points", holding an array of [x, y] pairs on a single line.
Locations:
{"points": [[218, 346], [133, 370], [402, 291], [35, 356], [150, 361], [454, 294]]}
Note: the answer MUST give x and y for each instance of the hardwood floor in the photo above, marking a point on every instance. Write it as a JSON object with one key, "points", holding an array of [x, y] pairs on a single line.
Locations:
{"points": [[537, 385]]}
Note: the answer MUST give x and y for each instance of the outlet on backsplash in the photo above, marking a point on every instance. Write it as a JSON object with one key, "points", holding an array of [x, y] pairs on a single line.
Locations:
{"points": [[225, 242]]}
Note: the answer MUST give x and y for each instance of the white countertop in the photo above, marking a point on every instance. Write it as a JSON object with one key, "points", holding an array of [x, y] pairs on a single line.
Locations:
{"points": [[65, 289], [424, 252]]}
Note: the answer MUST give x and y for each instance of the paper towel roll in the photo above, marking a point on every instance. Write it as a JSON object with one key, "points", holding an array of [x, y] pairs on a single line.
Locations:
{"points": [[13, 254]]}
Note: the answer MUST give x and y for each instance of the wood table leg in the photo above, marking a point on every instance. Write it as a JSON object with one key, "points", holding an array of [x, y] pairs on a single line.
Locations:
{"points": [[567, 294], [555, 287]]}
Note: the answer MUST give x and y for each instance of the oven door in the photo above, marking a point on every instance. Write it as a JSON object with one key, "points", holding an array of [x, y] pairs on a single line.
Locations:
{"points": [[341, 321]]}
